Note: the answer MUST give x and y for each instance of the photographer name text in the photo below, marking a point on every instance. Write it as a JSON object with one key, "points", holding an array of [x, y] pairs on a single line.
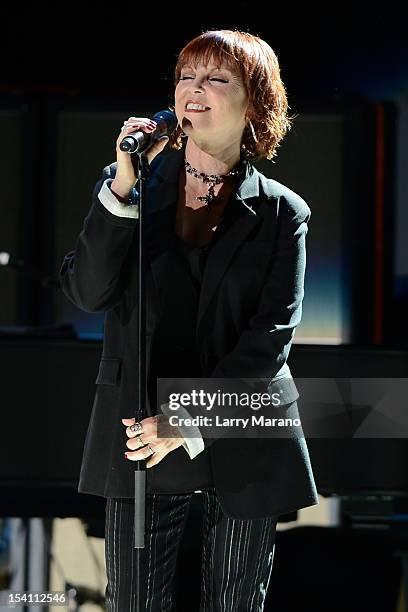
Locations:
{"points": [[217, 421]]}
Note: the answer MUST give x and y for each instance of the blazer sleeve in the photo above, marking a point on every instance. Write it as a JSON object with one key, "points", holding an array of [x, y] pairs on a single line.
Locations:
{"points": [[94, 275]]}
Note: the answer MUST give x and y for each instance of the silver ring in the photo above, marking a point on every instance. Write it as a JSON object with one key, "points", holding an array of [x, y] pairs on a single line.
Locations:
{"points": [[136, 428]]}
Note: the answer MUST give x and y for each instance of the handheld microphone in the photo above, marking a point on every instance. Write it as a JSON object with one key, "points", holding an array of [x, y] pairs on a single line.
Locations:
{"points": [[139, 141]]}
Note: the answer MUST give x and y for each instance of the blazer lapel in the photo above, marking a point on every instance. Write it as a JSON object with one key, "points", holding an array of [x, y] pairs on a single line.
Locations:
{"points": [[223, 250], [161, 203]]}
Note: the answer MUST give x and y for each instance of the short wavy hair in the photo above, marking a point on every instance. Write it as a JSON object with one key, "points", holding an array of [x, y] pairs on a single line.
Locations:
{"points": [[268, 105]]}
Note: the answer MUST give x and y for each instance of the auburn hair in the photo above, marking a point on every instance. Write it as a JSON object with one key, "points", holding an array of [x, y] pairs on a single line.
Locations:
{"points": [[259, 68]]}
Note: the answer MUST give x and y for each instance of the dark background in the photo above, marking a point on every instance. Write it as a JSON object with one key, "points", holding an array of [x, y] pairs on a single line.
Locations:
{"points": [[107, 57], [323, 51]]}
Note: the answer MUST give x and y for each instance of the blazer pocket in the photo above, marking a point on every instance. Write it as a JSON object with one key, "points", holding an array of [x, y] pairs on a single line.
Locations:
{"points": [[109, 371]]}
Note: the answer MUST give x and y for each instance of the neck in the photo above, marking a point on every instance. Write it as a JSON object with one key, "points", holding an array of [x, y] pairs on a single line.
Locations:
{"points": [[217, 162]]}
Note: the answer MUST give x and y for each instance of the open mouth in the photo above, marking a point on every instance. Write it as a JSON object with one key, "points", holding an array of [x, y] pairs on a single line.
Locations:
{"points": [[192, 107], [186, 123]]}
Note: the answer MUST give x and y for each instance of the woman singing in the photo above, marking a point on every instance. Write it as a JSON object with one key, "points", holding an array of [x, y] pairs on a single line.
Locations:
{"points": [[224, 289]]}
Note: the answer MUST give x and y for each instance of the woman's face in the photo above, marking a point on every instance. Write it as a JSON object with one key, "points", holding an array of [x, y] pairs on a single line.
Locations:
{"points": [[210, 103]]}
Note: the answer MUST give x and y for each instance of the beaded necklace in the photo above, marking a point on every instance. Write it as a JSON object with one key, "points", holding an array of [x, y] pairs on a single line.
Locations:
{"points": [[211, 180]]}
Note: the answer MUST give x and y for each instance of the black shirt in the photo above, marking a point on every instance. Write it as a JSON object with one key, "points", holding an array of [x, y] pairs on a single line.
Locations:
{"points": [[175, 355]]}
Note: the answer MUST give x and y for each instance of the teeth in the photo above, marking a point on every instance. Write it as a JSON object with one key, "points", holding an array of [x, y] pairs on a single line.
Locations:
{"points": [[191, 106]]}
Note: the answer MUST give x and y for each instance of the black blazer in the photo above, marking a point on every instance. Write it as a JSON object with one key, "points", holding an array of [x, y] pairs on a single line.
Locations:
{"points": [[250, 305]]}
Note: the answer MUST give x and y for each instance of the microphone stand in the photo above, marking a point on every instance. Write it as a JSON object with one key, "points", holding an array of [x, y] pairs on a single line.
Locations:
{"points": [[140, 469]]}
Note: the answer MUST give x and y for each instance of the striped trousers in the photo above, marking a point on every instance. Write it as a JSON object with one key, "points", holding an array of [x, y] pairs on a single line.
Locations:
{"points": [[236, 561]]}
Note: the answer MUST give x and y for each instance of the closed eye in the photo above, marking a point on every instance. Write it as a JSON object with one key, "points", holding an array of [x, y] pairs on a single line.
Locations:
{"points": [[184, 78]]}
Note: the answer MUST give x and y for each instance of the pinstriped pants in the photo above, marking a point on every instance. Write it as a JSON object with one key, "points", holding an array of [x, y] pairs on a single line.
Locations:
{"points": [[237, 555]]}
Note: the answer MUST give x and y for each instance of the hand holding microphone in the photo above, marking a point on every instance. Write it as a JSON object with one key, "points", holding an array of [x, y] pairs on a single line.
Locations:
{"points": [[140, 134], [164, 121]]}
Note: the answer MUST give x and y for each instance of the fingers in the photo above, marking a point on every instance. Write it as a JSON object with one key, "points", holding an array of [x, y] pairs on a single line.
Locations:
{"points": [[129, 128], [146, 125], [141, 120], [148, 426], [133, 124], [138, 123], [139, 443], [128, 422], [138, 453], [160, 451], [142, 445], [142, 453], [139, 446], [136, 443]]}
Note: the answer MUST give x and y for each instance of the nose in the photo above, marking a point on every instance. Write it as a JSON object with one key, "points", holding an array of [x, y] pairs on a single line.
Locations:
{"points": [[197, 84]]}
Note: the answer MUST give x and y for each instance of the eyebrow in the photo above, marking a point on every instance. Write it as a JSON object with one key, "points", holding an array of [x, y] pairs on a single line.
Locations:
{"points": [[189, 67]]}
